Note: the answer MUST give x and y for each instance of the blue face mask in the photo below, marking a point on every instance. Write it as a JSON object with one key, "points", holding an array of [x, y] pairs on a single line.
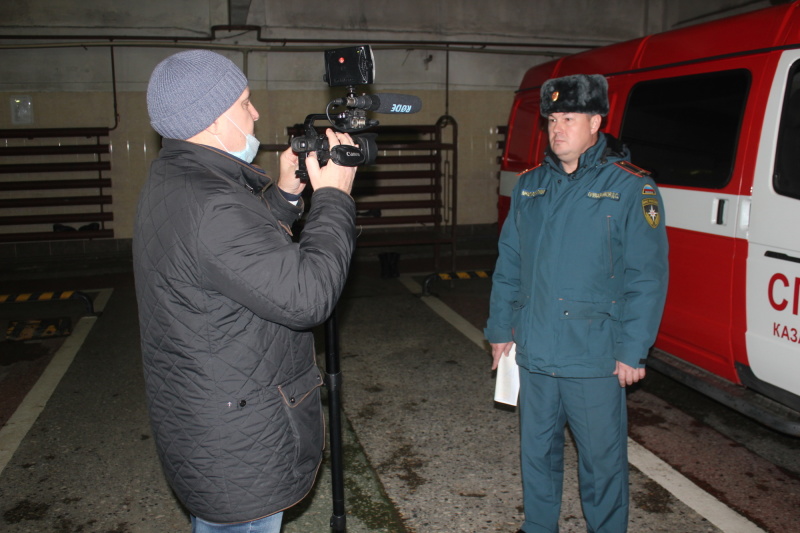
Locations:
{"points": [[251, 147], [250, 150]]}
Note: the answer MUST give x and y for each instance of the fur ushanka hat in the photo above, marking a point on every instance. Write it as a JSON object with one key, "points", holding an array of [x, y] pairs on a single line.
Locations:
{"points": [[580, 93]]}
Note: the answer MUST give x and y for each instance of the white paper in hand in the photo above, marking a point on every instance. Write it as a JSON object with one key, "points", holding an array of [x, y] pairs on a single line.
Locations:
{"points": [[506, 388]]}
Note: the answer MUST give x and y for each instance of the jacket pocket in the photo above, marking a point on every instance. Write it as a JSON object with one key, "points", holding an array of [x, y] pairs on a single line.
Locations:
{"points": [[301, 404], [587, 329], [609, 259], [517, 319]]}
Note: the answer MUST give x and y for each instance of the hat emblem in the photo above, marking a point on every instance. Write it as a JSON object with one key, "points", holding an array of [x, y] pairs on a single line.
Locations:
{"points": [[554, 96]]}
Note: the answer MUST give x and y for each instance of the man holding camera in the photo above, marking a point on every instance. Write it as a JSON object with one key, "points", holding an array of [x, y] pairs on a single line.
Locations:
{"points": [[579, 287], [227, 299]]}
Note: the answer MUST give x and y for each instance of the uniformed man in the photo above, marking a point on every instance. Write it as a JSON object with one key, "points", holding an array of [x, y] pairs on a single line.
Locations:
{"points": [[579, 287]]}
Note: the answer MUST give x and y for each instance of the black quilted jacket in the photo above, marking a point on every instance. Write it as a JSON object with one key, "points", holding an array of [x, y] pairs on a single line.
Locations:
{"points": [[226, 300]]}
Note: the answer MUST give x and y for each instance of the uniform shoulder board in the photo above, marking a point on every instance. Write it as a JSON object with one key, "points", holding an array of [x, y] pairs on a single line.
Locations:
{"points": [[633, 169], [529, 169]]}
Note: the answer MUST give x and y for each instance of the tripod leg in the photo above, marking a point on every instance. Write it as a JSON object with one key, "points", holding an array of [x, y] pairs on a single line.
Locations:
{"points": [[333, 380]]}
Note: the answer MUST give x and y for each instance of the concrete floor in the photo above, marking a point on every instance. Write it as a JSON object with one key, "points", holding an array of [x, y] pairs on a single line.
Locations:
{"points": [[426, 448]]}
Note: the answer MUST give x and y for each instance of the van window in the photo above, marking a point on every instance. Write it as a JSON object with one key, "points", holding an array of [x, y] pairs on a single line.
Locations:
{"points": [[685, 130], [786, 180]]}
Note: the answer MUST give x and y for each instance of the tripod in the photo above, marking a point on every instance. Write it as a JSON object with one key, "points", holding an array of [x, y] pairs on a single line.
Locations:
{"points": [[333, 381]]}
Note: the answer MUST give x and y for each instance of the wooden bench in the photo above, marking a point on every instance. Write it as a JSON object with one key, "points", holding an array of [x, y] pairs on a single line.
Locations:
{"points": [[48, 198], [409, 196]]}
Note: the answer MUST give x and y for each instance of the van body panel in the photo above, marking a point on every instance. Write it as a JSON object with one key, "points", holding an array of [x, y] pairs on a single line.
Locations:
{"points": [[740, 34], [716, 93], [773, 266], [697, 316]]}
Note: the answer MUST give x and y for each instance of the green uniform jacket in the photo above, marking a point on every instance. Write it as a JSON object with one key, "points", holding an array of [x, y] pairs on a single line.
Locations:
{"points": [[581, 277]]}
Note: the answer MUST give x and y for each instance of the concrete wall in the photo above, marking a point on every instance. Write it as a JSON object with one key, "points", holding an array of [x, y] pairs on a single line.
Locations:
{"points": [[463, 58]]}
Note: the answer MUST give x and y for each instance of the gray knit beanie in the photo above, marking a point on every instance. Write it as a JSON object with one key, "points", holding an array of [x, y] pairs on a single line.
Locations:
{"points": [[190, 90]]}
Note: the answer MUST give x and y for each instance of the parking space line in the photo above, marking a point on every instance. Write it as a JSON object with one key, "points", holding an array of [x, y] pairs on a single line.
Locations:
{"points": [[22, 420], [101, 299], [686, 491], [703, 503]]}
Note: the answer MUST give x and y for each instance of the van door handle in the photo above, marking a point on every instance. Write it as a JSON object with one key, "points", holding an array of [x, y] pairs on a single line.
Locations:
{"points": [[719, 211], [781, 256]]}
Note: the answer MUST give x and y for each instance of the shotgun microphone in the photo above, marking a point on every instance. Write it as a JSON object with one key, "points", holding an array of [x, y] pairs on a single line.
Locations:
{"points": [[382, 103]]}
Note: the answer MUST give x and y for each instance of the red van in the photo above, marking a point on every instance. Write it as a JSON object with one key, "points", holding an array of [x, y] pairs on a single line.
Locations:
{"points": [[713, 111]]}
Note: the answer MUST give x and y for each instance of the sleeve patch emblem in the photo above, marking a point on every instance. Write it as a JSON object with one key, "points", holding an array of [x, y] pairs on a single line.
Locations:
{"points": [[652, 212], [648, 189]]}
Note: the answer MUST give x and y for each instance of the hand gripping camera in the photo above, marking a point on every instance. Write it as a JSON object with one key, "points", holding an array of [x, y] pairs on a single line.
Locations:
{"points": [[348, 67]]}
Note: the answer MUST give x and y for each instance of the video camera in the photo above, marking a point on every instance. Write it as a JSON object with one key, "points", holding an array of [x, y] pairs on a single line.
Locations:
{"points": [[348, 67]]}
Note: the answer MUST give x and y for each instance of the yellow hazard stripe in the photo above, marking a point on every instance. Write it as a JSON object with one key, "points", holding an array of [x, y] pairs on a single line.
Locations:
{"points": [[33, 297], [463, 275]]}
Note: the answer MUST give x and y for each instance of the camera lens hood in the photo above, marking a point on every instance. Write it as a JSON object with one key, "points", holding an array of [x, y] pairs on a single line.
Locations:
{"points": [[346, 155]]}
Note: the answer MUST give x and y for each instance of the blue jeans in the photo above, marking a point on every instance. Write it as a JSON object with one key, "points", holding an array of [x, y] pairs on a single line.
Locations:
{"points": [[270, 524]]}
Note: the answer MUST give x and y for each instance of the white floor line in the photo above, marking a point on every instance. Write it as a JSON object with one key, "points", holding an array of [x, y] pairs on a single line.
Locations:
{"points": [[648, 463], [462, 325], [686, 491], [22, 420], [101, 299]]}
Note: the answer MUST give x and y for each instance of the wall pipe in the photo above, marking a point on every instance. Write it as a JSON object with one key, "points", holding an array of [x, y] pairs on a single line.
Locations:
{"points": [[114, 88], [283, 45], [296, 45]]}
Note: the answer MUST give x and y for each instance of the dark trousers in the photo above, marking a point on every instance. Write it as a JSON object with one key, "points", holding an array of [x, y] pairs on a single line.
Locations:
{"points": [[596, 412]]}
